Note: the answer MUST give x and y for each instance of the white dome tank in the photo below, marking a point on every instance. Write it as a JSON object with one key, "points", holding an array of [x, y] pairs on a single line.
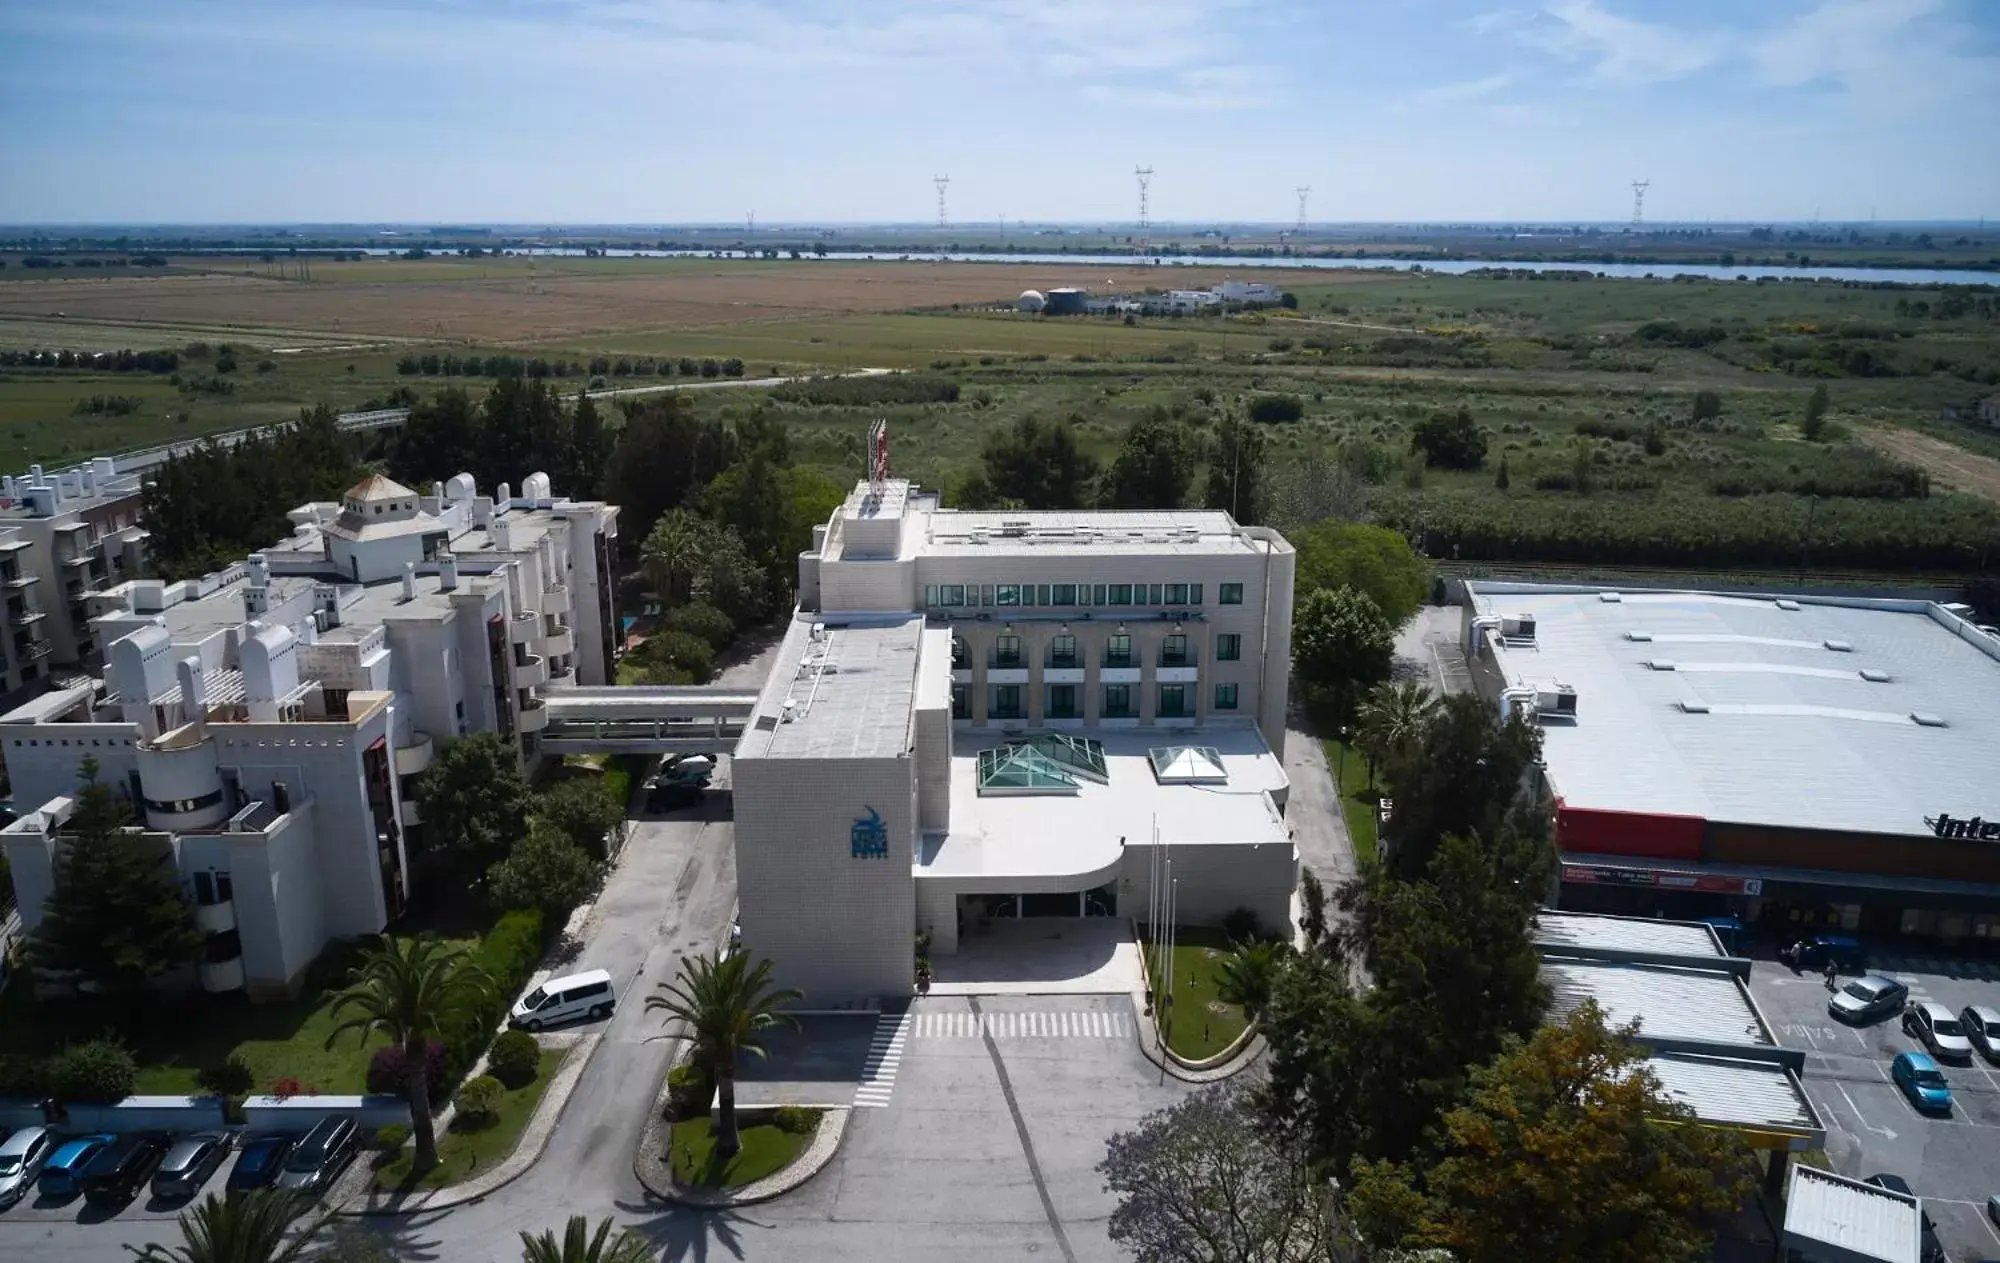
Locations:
{"points": [[1030, 300]]}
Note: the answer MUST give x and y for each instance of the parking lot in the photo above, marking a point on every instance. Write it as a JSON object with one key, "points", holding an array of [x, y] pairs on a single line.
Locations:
{"points": [[1952, 1162]]}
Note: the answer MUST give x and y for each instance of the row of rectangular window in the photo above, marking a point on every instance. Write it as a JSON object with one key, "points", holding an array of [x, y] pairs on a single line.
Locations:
{"points": [[1058, 595], [1004, 701], [1006, 651]]}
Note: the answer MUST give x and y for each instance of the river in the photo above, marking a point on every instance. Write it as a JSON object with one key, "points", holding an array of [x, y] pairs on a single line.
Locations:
{"points": [[1450, 267]]}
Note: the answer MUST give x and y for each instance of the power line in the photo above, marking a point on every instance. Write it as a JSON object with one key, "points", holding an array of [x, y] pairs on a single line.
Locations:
{"points": [[1145, 177], [1302, 190], [1639, 188], [942, 181]]}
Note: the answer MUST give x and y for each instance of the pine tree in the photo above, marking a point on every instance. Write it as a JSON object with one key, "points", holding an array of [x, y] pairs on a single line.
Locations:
{"points": [[117, 918], [591, 447]]}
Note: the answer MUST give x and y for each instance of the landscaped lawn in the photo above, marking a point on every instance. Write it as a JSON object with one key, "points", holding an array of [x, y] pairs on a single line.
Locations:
{"points": [[766, 1148], [464, 1152], [1357, 803], [1197, 1024]]}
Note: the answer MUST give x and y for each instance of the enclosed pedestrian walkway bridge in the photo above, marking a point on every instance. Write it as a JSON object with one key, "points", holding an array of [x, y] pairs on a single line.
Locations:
{"points": [[693, 719]]}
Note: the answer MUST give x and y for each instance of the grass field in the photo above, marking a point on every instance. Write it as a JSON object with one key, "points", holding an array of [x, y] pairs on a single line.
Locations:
{"points": [[465, 1148], [1199, 1025], [1357, 804], [766, 1149]]}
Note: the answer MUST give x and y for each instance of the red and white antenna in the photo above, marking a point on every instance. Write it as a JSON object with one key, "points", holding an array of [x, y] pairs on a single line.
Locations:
{"points": [[878, 453]]}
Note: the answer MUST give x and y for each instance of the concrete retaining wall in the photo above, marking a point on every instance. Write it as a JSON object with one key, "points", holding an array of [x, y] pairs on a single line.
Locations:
{"points": [[297, 1114]]}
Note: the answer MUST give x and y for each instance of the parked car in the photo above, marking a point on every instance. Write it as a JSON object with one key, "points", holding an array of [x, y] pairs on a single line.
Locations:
{"points": [[1921, 1081], [697, 768], [673, 796], [1939, 1029], [319, 1156], [258, 1163], [21, 1160], [121, 1168], [588, 994], [67, 1162], [1815, 950], [1932, 1250], [1868, 999], [1727, 931], [1982, 1027], [191, 1161], [1993, 1208]]}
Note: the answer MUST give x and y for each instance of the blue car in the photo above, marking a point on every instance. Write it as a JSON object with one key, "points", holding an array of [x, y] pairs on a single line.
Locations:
{"points": [[1921, 1081], [59, 1176]]}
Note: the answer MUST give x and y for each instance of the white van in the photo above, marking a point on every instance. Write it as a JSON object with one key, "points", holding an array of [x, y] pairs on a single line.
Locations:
{"points": [[565, 999]]}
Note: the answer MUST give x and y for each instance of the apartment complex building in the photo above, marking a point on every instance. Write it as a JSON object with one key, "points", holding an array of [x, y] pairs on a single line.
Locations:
{"points": [[266, 723], [982, 716], [63, 538]]}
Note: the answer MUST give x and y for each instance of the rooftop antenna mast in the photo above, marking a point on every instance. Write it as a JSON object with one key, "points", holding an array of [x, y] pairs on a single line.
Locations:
{"points": [[1302, 190], [878, 454], [942, 182], [1639, 188], [1145, 177]]}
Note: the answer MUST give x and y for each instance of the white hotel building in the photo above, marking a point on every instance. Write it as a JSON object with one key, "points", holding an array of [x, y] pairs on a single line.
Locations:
{"points": [[987, 715], [266, 723]]}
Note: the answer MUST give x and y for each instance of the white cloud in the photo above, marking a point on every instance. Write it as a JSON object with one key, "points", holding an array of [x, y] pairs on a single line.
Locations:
{"points": [[1450, 94], [1620, 51], [1888, 54]]}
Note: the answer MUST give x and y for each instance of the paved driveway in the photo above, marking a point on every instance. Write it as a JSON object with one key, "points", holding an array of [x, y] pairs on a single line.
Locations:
{"points": [[1953, 1163]]}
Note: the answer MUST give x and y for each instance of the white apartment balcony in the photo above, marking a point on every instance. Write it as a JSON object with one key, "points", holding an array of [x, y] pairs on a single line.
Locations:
{"points": [[1178, 675], [216, 918], [1007, 675], [415, 757], [526, 627], [1062, 675], [535, 716], [409, 813], [555, 599], [1119, 675], [559, 643], [532, 673], [225, 976]]}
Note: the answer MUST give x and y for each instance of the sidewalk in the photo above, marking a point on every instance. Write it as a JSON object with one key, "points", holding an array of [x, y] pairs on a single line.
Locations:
{"points": [[1149, 1046]]}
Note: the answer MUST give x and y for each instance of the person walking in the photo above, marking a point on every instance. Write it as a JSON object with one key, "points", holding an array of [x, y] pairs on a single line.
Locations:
{"points": [[1832, 974]]}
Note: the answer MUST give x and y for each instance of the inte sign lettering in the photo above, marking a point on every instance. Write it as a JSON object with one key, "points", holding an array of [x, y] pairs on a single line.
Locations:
{"points": [[1955, 827]]}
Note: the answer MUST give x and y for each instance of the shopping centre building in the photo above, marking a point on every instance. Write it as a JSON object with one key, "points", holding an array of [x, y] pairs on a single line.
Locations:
{"points": [[982, 715], [1797, 762]]}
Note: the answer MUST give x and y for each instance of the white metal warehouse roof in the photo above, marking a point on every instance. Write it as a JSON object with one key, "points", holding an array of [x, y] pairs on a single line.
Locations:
{"points": [[1860, 1221], [1667, 1001], [1783, 727], [1625, 934], [1739, 1093]]}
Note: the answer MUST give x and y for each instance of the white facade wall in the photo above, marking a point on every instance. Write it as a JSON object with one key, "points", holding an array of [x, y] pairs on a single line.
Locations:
{"points": [[840, 928], [1214, 880]]}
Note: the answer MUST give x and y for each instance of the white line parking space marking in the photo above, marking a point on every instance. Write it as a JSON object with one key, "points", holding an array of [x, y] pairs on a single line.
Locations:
{"points": [[1068, 1024], [1880, 1131], [885, 1056]]}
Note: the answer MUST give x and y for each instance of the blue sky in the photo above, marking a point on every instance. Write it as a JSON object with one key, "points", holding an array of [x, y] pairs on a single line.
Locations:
{"points": [[217, 111]]}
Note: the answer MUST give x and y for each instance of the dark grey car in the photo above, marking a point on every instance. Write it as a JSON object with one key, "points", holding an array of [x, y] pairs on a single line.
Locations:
{"points": [[190, 1163], [319, 1156]]}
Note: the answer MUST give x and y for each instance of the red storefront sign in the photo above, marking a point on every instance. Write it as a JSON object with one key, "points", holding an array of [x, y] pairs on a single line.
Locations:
{"points": [[1656, 879]]}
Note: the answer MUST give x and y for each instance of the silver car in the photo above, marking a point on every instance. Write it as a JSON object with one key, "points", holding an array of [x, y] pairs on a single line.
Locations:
{"points": [[190, 1162], [21, 1160], [1938, 1029], [1982, 1027]]}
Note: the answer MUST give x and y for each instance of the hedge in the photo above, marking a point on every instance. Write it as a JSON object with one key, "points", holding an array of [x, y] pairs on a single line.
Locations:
{"points": [[508, 954]]}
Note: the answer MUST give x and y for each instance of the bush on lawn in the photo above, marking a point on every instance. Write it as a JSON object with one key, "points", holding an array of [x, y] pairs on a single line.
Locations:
{"points": [[99, 1072], [479, 1098], [689, 1091], [514, 1057], [228, 1078], [508, 954], [22, 1075], [701, 620], [391, 1137], [389, 1069], [799, 1120]]}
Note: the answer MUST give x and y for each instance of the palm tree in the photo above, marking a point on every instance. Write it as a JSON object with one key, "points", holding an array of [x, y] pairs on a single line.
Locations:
{"points": [[1245, 975], [242, 1228], [576, 1247], [673, 553], [412, 990], [1392, 719], [727, 1003]]}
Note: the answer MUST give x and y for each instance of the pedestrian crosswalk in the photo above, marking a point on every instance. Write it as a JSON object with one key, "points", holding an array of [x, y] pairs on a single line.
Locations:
{"points": [[1901, 967], [1062, 1024], [885, 1057]]}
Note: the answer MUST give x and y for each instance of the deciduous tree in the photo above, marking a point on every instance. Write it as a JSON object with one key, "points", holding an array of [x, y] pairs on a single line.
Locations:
{"points": [[475, 802], [1369, 559], [1153, 466], [1341, 647], [1450, 440], [581, 810], [1466, 774], [545, 870]]}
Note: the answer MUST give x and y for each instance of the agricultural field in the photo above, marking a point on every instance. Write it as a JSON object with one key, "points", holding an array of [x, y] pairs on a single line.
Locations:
{"points": [[1662, 420]]}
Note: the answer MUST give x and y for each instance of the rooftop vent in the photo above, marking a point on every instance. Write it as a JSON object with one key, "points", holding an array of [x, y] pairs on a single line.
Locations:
{"points": [[1661, 664], [1639, 637], [1693, 706], [1555, 699], [1838, 646], [1785, 603], [1517, 627], [1927, 720], [1611, 598], [1874, 675]]}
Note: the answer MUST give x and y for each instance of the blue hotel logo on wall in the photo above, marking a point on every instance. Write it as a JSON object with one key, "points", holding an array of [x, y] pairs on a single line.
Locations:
{"points": [[869, 838]]}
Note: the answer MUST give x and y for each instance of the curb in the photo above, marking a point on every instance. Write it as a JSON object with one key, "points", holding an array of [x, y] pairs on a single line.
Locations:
{"points": [[656, 1177], [1232, 1061], [527, 1151]]}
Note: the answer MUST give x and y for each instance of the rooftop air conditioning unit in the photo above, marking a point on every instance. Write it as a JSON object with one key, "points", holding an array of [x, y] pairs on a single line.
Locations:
{"points": [[1517, 627], [1556, 699]]}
